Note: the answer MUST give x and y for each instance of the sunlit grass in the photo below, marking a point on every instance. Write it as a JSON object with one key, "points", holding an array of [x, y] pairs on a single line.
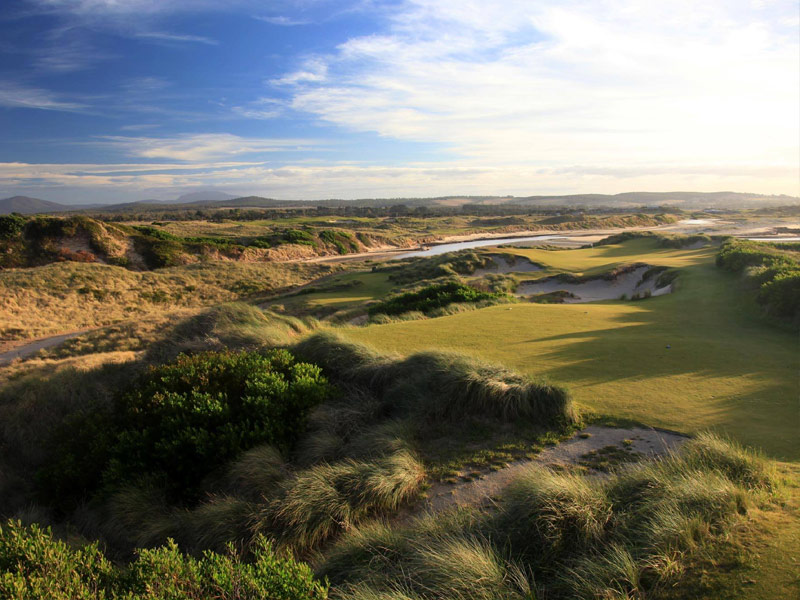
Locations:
{"points": [[724, 368]]}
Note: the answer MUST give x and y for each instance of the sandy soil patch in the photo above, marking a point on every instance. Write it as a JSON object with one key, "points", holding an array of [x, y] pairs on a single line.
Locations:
{"points": [[646, 442]]}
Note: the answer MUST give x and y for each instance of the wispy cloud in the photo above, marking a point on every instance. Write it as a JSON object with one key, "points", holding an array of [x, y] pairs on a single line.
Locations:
{"points": [[552, 84], [163, 36], [201, 147], [139, 126], [262, 109], [283, 21], [314, 70], [14, 95]]}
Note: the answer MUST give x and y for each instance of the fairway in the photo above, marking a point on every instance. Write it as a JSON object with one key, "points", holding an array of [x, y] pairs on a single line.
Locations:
{"points": [[696, 359]]}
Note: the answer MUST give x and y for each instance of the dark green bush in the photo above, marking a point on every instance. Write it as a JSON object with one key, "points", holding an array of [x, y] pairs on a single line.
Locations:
{"points": [[184, 420], [432, 297], [156, 233], [35, 566], [11, 225], [343, 240], [297, 236]]}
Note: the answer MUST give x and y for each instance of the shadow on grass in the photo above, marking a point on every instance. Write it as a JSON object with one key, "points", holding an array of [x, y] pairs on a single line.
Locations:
{"points": [[709, 330]]}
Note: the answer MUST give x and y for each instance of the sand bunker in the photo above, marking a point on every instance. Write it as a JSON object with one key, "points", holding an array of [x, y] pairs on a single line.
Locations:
{"points": [[628, 284], [508, 263]]}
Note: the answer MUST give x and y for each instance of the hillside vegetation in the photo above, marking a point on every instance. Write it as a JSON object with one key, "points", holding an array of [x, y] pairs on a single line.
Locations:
{"points": [[35, 241], [772, 269], [250, 450], [70, 296]]}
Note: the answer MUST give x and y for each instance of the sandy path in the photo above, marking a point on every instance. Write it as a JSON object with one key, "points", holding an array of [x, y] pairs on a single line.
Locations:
{"points": [[648, 442], [33, 347]]}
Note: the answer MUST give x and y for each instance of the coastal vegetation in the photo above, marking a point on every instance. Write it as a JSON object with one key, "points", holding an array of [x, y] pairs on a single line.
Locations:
{"points": [[289, 445]]}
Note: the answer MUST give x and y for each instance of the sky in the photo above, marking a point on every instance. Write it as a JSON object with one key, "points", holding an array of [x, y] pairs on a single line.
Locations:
{"points": [[121, 100]]}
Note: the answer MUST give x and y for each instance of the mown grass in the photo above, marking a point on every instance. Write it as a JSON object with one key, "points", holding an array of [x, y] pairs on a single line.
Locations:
{"points": [[640, 533], [724, 369], [73, 296]]}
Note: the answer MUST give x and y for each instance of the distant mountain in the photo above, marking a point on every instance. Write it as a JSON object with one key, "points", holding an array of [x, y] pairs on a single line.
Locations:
{"points": [[204, 196], [30, 206]]}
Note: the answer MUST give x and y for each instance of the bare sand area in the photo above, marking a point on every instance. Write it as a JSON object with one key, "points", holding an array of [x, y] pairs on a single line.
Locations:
{"points": [[626, 284]]}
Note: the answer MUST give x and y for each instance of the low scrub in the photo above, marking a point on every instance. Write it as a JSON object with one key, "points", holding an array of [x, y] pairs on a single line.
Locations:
{"points": [[71, 296], [554, 535], [665, 240], [433, 297], [36, 566], [452, 264], [774, 270]]}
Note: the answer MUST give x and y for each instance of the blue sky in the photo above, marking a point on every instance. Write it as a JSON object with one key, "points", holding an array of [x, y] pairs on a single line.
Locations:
{"points": [[117, 100]]}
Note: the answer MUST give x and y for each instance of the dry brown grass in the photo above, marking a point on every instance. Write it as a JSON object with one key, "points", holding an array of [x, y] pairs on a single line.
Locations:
{"points": [[71, 296]]}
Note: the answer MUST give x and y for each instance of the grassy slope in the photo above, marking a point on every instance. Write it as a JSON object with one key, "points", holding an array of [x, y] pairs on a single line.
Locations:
{"points": [[725, 370], [70, 296], [775, 571]]}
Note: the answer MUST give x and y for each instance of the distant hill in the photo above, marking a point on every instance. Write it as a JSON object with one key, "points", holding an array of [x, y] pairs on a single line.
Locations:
{"points": [[206, 196], [30, 206], [214, 199]]}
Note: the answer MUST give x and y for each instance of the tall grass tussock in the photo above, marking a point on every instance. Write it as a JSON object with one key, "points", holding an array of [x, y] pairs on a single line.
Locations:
{"points": [[556, 535], [439, 385]]}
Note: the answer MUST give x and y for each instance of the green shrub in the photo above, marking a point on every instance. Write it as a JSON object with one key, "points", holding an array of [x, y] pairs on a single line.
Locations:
{"points": [[189, 417], [185, 419], [35, 566], [344, 241], [297, 236], [11, 225], [432, 297]]}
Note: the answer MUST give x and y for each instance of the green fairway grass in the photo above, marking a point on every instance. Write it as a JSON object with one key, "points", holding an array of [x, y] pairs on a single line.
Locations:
{"points": [[724, 368]]}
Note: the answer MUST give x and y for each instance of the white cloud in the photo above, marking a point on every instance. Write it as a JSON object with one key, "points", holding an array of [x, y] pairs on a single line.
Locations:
{"points": [[556, 84], [201, 147], [13, 95], [314, 70]]}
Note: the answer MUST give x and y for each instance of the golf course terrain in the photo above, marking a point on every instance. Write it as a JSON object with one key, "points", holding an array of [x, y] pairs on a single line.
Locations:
{"points": [[617, 421], [698, 358]]}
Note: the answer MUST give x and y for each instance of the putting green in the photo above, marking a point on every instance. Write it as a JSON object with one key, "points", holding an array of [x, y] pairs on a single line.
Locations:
{"points": [[699, 358]]}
